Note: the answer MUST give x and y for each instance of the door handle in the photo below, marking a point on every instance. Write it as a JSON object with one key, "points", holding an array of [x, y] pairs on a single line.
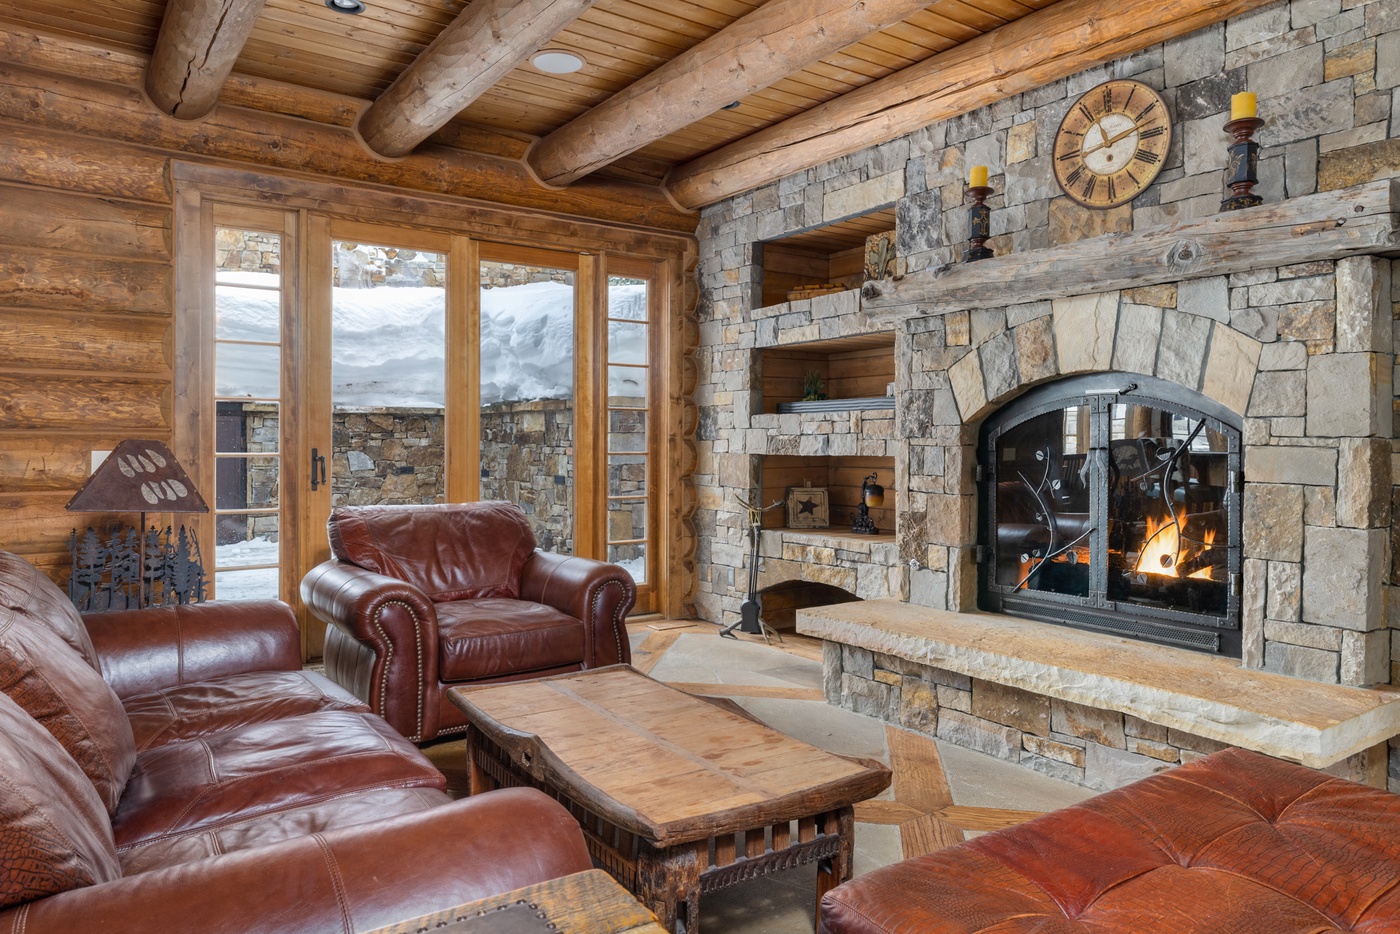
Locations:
{"points": [[318, 460]]}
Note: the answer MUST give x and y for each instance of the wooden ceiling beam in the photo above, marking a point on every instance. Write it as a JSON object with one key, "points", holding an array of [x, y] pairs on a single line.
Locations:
{"points": [[772, 42], [1052, 43], [198, 43], [487, 41]]}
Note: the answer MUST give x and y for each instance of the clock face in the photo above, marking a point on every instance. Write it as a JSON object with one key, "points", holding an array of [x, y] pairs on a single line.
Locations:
{"points": [[1112, 143]]}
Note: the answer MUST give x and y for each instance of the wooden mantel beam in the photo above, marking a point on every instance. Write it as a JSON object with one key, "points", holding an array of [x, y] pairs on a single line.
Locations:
{"points": [[1052, 43], [766, 45], [198, 43], [487, 41]]}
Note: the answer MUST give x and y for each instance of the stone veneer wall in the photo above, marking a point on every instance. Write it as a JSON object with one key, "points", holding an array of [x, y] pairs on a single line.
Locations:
{"points": [[1305, 353], [1103, 749], [394, 456]]}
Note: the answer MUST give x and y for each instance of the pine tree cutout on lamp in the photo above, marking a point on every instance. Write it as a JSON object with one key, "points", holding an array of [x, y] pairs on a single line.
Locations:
{"points": [[136, 567]]}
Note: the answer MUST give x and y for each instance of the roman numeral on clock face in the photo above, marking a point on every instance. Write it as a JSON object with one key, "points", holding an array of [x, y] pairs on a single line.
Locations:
{"points": [[1088, 114], [1145, 111], [1152, 132], [1074, 176], [1089, 186], [1112, 189], [1151, 158]]}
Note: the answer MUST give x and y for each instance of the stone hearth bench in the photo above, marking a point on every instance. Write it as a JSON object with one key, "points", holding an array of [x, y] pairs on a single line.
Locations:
{"points": [[1097, 709], [1235, 842]]}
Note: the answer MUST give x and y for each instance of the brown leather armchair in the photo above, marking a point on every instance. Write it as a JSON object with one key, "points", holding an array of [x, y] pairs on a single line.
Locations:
{"points": [[421, 598]]}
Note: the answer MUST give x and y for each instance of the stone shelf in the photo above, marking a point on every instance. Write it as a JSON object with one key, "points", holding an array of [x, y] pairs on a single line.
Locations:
{"points": [[1306, 721], [834, 537]]}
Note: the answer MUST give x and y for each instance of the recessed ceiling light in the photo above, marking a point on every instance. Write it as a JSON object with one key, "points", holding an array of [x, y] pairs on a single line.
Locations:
{"points": [[349, 7], [555, 61]]}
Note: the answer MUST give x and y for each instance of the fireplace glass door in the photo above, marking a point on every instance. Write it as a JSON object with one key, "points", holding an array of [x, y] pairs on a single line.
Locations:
{"points": [[1110, 503]]}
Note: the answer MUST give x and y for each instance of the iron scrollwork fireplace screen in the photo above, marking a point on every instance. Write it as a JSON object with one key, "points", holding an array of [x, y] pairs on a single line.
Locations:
{"points": [[1111, 502]]}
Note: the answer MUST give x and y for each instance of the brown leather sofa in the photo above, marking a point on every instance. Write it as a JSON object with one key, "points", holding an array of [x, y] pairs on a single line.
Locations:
{"points": [[417, 599], [1235, 843], [175, 770]]}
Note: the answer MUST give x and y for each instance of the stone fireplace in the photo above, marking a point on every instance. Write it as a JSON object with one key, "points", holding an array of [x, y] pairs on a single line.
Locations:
{"points": [[1111, 502], [1054, 453], [1272, 327]]}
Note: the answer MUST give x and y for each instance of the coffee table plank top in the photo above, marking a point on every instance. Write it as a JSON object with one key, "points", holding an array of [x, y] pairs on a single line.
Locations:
{"points": [[584, 903], [659, 762]]}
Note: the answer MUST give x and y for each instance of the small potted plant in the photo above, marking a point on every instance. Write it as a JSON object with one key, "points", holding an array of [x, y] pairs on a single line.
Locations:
{"points": [[813, 387]]}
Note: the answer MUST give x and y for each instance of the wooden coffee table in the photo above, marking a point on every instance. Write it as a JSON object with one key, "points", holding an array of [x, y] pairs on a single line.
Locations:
{"points": [[583, 903], [676, 796]]}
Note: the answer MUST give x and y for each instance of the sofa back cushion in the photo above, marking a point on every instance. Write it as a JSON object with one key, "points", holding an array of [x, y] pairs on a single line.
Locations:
{"points": [[54, 833], [25, 590], [56, 686], [452, 551]]}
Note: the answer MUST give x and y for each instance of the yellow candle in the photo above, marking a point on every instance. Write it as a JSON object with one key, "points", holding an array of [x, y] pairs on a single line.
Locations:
{"points": [[978, 178], [1244, 104]]}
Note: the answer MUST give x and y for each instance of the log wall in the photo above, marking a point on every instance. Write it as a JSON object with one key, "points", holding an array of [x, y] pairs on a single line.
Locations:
{"points": [[85, 322], [87, 265]]}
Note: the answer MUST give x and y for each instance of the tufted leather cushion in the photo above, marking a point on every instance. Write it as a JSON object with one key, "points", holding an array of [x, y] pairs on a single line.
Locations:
{"points": [[1235, 842], [58, 688], [27, 592], [490, 638], [452, 551], [54, 834]]}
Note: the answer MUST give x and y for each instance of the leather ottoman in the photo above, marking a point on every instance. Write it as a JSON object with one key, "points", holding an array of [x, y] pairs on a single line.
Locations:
{"points": [[1235, 843]]}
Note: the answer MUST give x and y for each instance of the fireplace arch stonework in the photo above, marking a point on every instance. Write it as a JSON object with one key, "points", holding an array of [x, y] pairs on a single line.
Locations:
{"points": [[1316, 417]]}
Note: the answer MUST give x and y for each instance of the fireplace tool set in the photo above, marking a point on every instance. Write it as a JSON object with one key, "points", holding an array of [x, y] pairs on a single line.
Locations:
{"points": [[750, 620]]}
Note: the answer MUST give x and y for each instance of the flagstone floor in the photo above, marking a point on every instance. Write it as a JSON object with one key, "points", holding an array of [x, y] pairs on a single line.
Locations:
{"points": [[941, 793]]}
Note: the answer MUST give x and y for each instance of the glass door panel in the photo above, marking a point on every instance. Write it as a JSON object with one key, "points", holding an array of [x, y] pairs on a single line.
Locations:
{"points": [[527, 395], [628, 439], [248, 299], [388, 375]]}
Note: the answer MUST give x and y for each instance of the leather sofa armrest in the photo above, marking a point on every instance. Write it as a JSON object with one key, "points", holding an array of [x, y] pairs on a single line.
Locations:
{"points": [[382, 644], [599, 594], [145, 650], [354, 879]]}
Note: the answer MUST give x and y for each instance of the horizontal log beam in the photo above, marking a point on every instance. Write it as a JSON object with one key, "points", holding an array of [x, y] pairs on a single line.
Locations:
{"points": [[1055, 42], [772, 42], [107, 111], [1331, 225], [198, 43], [486, 42]]}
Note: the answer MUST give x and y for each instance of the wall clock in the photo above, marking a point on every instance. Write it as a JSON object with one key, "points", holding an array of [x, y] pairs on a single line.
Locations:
{"points": [[1112, 143]]}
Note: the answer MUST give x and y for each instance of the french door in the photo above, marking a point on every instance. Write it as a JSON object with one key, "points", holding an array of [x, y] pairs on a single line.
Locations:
{"points": [[334, 362]]}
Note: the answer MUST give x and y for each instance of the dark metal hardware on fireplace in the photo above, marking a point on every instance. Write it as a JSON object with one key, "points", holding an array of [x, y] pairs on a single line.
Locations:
{"points": [[1114, 512]]}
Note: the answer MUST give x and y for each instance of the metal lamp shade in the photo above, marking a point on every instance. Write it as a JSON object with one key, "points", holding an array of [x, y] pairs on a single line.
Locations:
{"points": [[138, 476]]}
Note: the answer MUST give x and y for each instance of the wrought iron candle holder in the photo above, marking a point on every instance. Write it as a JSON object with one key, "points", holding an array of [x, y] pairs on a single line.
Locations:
{"points": [[1244, 164], [979, 224]]}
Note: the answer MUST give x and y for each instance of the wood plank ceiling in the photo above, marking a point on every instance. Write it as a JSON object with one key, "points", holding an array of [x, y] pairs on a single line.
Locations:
{"points": [[305, 44]]}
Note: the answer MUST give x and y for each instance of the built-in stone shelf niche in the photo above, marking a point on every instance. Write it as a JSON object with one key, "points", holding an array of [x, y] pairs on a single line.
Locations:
{"points": [[860, 367], [832, 255], [842, 478]]}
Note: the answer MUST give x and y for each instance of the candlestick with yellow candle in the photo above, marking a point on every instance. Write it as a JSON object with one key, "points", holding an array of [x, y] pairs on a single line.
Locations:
{"points": [[1244, 105], [978, 177]]}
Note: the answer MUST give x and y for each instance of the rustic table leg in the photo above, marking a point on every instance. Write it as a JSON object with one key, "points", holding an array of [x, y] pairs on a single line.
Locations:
{"points": [[668, 882], [479, 780], [833, 871]]}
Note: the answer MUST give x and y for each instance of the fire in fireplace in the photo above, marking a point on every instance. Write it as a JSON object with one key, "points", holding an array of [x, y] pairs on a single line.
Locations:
{"points": [[1111, 502]]}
